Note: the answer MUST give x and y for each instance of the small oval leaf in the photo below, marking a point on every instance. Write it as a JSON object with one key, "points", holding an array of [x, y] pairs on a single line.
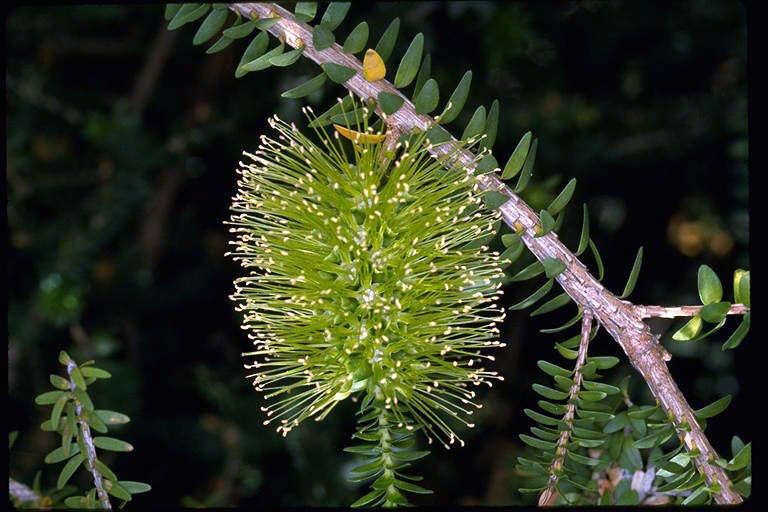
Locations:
{"points": [[357, 39], [710, 288], [409, 64], [308, 87], [337, 73], [427, 99], [387, 42]]}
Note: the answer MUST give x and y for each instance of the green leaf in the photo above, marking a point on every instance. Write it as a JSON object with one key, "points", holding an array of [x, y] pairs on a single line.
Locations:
{"points": [[287, 58], [537, 443], [219, 45], [69, 468], [409, 64], [424, 70], [565, 326], [263, 62], [96, 373], [117, 490], [710, 288], [255, 49], [598, 260], [527, 171], [511, 240], [541, 418], [49, 397], [186, 14], [112, 444], [335, 14], [406, 486], [633, 274], [322, 37], [210, 26], [553, 304], [387, 42], [528, 272], [517, 159], [96, 423], [84, 399], [171, 10], [476, 124], [584, 238], [337, 73], [368, 498], [357, 39], [305, 11], [436, 134], [592, 396], [715, 313], [491, 126], [552, 267], [512, 252], [547, 223], [59, 382], [308, 87], [690, 330], [104, 470], [550, 393], [741, 286], [714, 408], [58, 407], [390, 103], [697, 497], [457, 99], [742, 459], [604, 362], [553, 369], [562, 198], [738, 335], [427, 99], [135, 487], [409, 456], [642, 411], [77, 378], [62, 453], [589, 461], [599, 386], [365, 449], [535, 296], [494, 199]]}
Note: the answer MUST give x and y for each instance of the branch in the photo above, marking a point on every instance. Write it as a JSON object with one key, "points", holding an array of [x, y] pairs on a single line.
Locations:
{"points": [[24, 496], [676, 311], [621, 318], [90, 449], [548, 497]]}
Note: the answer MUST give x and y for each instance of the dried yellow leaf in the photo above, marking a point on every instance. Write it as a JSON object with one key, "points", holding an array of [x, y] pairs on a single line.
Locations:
{"points": [[373, 67], [358, 137]]}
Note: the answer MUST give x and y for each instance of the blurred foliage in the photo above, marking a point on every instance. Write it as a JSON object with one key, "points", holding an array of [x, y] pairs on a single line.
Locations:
{"points": [[121, 143]]}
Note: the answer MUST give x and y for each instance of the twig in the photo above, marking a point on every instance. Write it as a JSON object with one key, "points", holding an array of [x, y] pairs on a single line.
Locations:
{"points": [[620, 318], [677, 311], [90, 449], [25, 496], [548, 497]]}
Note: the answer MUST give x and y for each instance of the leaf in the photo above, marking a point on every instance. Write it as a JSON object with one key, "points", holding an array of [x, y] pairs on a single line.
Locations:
{"points": [[409, 456], [69, 468], [171, 10], [535, 296], [255, 49], [338, 74], [424, 71], [528, 272], [112, 444], [690, 330], [409, 64], [219, 45], [476, 124], [436, 134], [49, 397], [589, 461], [710, 288], [96, 423], [58, 407], [308, 87], [427, 99], [604, 362], [406, 486], [547, 223], [541, 418], [553, 369], [62, 453], [563, 327], [714, 408], [715, 313], [550, 393], [633, 274], [187, 13], [356, 40], [262, 62], [517, 158], [117, 490], [741, 286], [598, 260], [240, 31], [305, 11], [584, 238], [742, 459], [457, 100], [512, 252], [135, 487], [322, 37], [552, 267], [494, 199], [387, 42], [104, 470], [738, 335], [592, 396], [491, 126], [562, 198], [286, 59], [210, 26], [59, 382], [77, 378], [599, 386], [553, 304], [390, 103], [527, 171], [96, 373], [335, 14], [368, 498], [537, 443]]}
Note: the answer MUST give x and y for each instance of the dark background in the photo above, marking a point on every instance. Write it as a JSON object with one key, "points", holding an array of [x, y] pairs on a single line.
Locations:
{"points": [[121, 143]]}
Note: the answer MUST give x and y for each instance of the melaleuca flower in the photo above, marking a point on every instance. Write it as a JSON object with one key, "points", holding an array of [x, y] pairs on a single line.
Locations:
{"points": [[362, 278]]}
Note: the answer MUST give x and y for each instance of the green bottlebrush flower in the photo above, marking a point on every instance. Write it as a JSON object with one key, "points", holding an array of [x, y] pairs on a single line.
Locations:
{"points": [[360, 279]]}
